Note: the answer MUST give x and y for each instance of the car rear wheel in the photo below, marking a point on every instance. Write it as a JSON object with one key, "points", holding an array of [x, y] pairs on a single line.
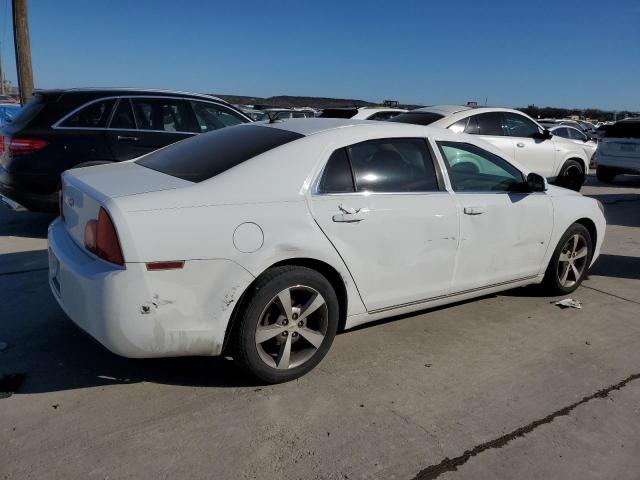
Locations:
{"points": [[570, 261], [604, 174], [571, 176], [287, 325]]}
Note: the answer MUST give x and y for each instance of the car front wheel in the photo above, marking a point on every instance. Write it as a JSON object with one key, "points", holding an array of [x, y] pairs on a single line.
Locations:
{"points": [[571, 176], [287, 325], [570, 261]]}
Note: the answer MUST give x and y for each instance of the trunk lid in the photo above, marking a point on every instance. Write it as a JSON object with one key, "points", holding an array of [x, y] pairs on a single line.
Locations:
{"points": [[85, 190]]}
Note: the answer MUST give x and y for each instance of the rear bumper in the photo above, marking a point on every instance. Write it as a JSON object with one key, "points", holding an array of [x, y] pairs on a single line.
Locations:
{"points": [[136, 313], [620, 164], [14, 190]]}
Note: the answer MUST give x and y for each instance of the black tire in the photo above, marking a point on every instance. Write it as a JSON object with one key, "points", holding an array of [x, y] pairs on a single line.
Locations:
{"points": [[604, 174], [572, 175], [552, 282], [251, 356]]}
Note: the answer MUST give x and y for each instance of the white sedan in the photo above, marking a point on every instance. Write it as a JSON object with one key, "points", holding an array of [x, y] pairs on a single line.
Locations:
{"points": [[578, 137], [514, 133], [261, 241]]}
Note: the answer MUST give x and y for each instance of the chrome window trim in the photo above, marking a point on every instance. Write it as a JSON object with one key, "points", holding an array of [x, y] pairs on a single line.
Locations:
{"points": [[57, 125]]}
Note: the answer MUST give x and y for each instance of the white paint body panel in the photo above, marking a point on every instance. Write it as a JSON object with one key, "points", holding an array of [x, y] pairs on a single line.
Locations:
{"points": [[410, 253]]}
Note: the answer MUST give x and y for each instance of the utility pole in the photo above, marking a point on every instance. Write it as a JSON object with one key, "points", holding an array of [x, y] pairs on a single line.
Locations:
{"points": [[23, 49]]}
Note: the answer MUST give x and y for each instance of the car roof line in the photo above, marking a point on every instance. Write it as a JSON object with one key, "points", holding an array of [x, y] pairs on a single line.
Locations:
{"points": [[133, 89]]}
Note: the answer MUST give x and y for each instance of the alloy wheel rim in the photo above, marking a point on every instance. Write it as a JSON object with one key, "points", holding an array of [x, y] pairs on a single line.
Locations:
{"points": [[573, 176], [572, 260], [292, 327]]}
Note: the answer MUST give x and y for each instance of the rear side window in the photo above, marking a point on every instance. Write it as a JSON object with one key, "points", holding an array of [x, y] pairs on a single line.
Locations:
{"points": [[489, 124], [212, 117], [390, 165], [163, 114], [205, 156], [623, 130], [337, 176], [123, 116], [94, 115], [417, 118]]}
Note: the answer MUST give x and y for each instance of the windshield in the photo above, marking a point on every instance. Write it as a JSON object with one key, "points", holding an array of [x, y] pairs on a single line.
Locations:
{"points": [[417, 118], [209, 154], [623, 130]]}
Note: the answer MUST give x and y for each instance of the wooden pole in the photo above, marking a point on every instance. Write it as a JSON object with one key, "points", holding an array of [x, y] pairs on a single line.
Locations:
{"points": [[23, 50]]}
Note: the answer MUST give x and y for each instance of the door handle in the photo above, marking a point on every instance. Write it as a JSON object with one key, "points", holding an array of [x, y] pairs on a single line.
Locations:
{"points": [[520, 145], [350, 215], [473, 210], [126, 138]]}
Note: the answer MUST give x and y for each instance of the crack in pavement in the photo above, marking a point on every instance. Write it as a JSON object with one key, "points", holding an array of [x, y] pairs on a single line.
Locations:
{"points": [[452, 464], [611, 294]]}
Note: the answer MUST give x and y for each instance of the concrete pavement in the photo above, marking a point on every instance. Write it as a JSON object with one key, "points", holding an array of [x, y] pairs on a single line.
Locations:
{"points": [[506, 386]]}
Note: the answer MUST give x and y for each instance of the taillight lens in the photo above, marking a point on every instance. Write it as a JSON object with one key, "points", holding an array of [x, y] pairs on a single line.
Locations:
{"points": [[1, 143], [101, 238], [23, 146]]}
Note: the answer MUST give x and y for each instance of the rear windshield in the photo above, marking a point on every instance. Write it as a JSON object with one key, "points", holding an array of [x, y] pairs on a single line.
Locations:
{"points": [[338, 112], [623, 130], [205, 156], [417, 118], [29, 111]]}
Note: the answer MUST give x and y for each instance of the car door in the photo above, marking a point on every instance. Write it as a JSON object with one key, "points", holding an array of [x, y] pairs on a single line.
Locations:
{"points": [[143, 124], [533, 151], [504, 234], [381, 204], [489, 126]]}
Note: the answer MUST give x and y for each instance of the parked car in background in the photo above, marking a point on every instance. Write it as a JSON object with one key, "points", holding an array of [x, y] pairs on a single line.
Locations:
{"points": [[295, 229], [283, 113], [7, 113], [362, 113], [254, 114], [518, 135], [8, 99], [579, 137], [619, 150], [62, 129]]}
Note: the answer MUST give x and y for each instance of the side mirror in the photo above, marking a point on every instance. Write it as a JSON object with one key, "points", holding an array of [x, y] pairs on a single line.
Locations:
{"points": [[544, 135], [536, 183]]}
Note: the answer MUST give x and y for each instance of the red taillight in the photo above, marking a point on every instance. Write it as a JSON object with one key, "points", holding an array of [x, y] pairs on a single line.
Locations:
{"points": [[173, 265], [1, 143], [23, 146], [101, 238]]}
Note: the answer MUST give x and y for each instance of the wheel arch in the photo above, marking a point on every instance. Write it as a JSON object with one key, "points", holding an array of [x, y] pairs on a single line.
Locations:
{"points": [[328, 271], [591, 228]]}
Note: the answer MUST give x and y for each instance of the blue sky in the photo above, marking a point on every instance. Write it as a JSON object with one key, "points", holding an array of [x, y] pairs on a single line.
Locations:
{"points": [[559, 53]]}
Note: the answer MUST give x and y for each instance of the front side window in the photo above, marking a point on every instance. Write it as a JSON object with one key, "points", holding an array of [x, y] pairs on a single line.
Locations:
{"points": [[561, 132], [577, 134], [212, 117], [472, 169], [163, 114], [519, 126], [94, 115], [488, 124], [393, 165]]}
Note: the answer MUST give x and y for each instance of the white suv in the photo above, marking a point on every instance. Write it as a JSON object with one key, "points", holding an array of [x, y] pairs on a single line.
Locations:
{"points": [[516, 134], [619, 150]]}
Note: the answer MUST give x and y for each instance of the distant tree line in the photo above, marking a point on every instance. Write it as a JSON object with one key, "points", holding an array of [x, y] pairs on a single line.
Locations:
{"points": [[592, 113]]}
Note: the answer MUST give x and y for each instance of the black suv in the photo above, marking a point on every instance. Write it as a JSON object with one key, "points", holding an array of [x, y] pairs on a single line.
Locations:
{"points": [[62, 129]]}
